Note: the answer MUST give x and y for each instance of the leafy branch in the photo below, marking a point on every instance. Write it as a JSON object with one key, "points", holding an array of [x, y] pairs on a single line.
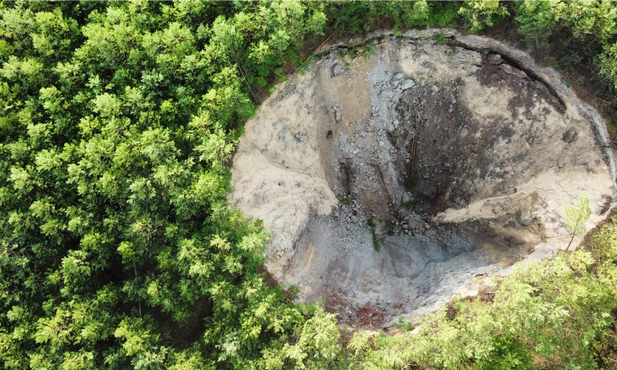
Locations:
{"points": [[576, 216]]}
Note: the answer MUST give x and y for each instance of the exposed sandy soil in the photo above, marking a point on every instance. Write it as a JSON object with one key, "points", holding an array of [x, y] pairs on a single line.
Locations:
{"points": [[392, 182]]}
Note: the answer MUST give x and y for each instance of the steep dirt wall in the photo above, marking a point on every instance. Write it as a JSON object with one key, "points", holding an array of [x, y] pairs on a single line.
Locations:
{"points": [[392, 182]]}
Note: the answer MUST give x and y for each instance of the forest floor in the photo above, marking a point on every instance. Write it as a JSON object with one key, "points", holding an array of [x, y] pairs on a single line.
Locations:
{"points": [[416, 170]]}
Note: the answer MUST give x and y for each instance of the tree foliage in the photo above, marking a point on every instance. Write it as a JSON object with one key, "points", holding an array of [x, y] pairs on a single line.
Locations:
{"points": [[481, 14], [576, 216], [118, 248], [592, 23]]}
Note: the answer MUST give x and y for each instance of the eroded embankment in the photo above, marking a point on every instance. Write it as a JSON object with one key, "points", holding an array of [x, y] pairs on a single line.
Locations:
{"points": [[391, 183]]}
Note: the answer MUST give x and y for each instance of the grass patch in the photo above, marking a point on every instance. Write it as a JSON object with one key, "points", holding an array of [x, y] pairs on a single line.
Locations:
{"points": [[410, 183], [376, 245], [369, 51], [440, 38]]}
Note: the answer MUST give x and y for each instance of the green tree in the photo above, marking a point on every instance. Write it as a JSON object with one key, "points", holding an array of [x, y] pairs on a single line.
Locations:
{"points": [[119, 249], [536, 20], [481, 14], [576, 216]]}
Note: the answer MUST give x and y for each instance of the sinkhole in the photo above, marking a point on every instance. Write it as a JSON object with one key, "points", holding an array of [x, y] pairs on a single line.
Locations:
{"points": [[416, 171]]}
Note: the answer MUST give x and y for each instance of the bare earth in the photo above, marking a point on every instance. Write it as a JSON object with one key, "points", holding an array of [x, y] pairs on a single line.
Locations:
{"points": [[392, 182]]}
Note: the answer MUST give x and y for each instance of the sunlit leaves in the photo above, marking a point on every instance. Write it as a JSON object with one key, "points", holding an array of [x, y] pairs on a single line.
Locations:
{"points": [[53, 33], [17, 24], [135, 338], [225, 40], [46, 160], [577, 215], [109, 39], [215, 149], [481, 14], [75, 267], [609, 63], [120, 120], [21, 179], [318, 343], [107, 105], [536, 19], [28, 70]]}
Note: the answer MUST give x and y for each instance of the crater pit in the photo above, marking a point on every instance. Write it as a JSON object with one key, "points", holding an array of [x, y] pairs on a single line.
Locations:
{"points": [[396, 179]]}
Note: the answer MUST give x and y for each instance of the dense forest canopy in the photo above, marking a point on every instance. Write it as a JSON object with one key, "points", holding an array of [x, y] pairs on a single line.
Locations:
{"points": [[118, 248]]}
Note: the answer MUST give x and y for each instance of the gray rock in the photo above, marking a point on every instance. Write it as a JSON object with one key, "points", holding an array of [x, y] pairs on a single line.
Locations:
{"points": [[338, 112], [408, 84], [524, 216], [338, 115], [513, 71], [511, 190], [495, 59], [388, 95], [300, 137], [337, 69], [569, 136], [335, 257], [608, 200]]}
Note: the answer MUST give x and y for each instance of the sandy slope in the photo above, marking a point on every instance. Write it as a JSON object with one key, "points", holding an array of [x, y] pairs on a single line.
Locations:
{"points": [[462, 156]]}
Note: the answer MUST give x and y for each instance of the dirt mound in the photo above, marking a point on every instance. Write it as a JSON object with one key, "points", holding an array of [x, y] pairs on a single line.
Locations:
{"points": [[392, 182]]}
